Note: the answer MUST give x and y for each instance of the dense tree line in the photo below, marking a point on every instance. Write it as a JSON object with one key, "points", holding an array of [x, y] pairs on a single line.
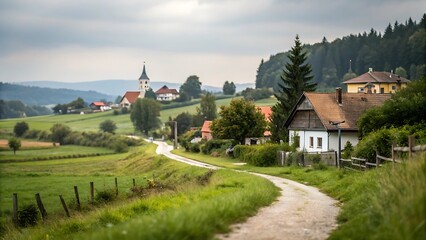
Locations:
{"points": [[16, 109], [401, 48]]}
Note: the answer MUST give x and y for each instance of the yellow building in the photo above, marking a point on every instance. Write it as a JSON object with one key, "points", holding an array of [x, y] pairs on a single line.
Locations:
{"points": [[376, 82]]}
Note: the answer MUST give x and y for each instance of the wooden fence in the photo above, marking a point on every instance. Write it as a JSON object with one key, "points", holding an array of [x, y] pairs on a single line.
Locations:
{"points": [[361, 164], [42, 209]]}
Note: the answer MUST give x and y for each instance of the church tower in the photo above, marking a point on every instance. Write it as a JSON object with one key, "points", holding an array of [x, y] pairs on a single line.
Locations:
{"points": [[143, 82]]}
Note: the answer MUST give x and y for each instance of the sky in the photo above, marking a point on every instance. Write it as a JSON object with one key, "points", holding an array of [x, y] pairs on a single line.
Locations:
{"points": [[217, 40]]}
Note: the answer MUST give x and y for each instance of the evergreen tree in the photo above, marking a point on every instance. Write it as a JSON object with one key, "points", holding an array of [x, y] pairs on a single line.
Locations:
{"points": [[295, 79], [229, 88]]}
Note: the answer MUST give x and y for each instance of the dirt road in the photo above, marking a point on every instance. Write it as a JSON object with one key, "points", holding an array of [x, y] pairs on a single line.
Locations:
{"points": [[301, 212]]}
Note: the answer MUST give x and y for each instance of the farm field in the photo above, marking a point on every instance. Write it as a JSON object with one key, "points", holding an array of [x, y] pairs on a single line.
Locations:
{"points": [[186, 202], [90, 122]]}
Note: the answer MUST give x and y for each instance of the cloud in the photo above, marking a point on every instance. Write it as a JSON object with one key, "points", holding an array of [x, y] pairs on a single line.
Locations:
{"points": [[176, 31]]}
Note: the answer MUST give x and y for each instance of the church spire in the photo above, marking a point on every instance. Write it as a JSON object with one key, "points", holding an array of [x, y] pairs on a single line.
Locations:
{"points": [[143, 75]]}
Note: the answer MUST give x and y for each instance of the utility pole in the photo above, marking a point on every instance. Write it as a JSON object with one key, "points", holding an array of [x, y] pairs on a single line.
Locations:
{"points": [[339, 151], [175, 143]]}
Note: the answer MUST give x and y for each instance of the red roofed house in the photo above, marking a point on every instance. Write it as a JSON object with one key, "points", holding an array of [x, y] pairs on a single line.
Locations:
{"points": [[266, 111], [99, 106], [376, 82], [206, 133], [309, 123], [166, 94]]}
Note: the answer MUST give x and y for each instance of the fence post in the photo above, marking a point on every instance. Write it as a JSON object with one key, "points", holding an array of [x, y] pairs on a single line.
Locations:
{"points": [[393, 152], [134, 183], [377, 159], [116, 187], [77, 197], [41, 206], [337, 160], [92, 192], [411, 143], [64, 205], [15, 209]]}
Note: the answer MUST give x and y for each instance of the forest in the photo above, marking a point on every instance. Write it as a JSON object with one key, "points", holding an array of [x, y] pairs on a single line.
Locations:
{"points": [[401, 48]]}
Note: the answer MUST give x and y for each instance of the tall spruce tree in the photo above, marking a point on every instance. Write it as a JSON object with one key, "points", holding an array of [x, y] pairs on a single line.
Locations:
{"points": [[295, 80]]}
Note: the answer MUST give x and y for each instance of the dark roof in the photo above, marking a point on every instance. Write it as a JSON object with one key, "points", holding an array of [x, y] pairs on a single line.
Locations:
{"points": [[353, 105], [164, 90], [377, 77], [143, 75]]}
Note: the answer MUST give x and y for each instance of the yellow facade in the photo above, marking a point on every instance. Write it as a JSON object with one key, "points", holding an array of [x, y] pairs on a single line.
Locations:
{"points": [[378, 87]]}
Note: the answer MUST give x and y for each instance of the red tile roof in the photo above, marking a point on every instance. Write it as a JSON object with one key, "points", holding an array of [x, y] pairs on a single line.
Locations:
{"points": [[131, 96], [377, 77], [98, 104], [165, 90], [206, 127], [267, 111]]}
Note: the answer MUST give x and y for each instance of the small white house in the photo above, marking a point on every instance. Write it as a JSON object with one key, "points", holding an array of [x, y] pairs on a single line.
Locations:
{"points": [[310, 121], [166, 94]]}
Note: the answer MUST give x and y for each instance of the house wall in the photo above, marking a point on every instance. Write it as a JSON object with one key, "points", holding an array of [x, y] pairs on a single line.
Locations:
{"points": [[166, 97], [206, 135], [387, 87], [125, 103], [305, 141], [346, 136]]}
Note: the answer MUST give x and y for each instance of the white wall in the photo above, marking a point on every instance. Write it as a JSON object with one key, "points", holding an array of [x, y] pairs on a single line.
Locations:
{"points": [[304, 143], [346, 136]]}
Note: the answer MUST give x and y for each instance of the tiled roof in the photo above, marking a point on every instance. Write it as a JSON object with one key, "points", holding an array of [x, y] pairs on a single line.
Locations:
{"points": [[165, 90], [267, 111], [98, 104], [353, 105], [206, 126], [377, 77], [131, 96]]}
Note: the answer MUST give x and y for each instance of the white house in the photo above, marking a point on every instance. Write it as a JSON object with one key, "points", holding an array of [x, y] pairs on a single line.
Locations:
{"points": [[310, 125], [166, 94]]}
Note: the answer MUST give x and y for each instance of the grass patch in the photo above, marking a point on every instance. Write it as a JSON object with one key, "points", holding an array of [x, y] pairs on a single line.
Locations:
{"points": [[385, 203]]}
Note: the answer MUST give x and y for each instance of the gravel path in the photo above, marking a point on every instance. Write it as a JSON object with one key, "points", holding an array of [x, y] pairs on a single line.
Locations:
{"points": [[301, 212]]}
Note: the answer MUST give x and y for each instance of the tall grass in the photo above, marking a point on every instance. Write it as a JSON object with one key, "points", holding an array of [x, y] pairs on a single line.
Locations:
{"points": [[384, 203]]}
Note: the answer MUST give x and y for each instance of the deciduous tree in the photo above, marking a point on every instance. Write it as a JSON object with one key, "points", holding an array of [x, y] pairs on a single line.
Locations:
{"points": [[14, 144], [108, 126], [60, 132], [192, 87], [207, 107], [239, 120], [144, 115], [20, 128], [229, 88]]}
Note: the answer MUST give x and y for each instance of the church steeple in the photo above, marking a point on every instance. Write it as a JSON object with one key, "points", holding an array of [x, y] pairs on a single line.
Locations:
{"points": [[143, 75], [143, 81]]}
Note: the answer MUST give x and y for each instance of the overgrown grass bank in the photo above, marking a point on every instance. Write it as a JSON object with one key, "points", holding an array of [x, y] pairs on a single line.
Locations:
{"points": [[385, 203], [172, 200]]}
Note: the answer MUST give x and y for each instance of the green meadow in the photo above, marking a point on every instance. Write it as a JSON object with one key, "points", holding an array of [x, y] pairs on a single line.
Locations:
{"points": [[173, 201]]}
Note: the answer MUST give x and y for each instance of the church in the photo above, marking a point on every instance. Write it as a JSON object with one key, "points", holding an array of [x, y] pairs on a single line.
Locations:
{"points": [[130, 97]]}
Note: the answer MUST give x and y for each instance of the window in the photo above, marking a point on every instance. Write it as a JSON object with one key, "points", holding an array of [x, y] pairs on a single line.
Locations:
{"points": [[382, 90], [311, 142], [319, 142], [394, 88], [360, 89]]}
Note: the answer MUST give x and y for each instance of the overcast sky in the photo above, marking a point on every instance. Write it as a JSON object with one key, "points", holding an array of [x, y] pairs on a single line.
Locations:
{"points": [[218, 40]]}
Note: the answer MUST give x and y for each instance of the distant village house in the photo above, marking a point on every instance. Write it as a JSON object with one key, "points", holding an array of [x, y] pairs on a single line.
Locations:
{"points": [[376, 82], [99, 106], [166, 94], [130, 97]]}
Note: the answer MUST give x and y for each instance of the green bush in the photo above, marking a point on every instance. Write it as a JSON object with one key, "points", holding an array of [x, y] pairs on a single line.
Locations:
{"points": [[217, 145], [260, 155], [194, 147], [347, 150], [120, 147], [28, 216], [105, 196], [294, 158]]}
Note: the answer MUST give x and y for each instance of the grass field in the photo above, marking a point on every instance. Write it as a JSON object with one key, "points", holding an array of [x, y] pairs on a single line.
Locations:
{"points": [[52, 152], [193, 204], [387, 203], [90, 122]]}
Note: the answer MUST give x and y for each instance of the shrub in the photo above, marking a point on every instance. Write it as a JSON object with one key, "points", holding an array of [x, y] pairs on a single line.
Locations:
{"points": [[347, 150], [294, 158], [119, 147], [217, 145], [105, 196], [32, 134], [194, 147], [260, 155], [115, 112], [28, 216], [108, 126], [124, 110]]}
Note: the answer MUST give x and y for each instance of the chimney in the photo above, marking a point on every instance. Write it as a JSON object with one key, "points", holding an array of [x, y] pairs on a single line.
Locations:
{"points": [[370, 69], [339, 95]]}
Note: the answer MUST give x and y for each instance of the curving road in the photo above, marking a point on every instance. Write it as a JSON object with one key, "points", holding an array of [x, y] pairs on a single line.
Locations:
{"points": [[301, 212]]}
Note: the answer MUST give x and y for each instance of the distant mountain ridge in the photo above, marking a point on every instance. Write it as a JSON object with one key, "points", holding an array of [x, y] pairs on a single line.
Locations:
{"points": [[46, 96], [117, 87]]}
